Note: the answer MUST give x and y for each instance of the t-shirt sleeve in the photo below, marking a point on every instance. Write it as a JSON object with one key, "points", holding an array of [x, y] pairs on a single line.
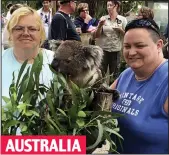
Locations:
{"points": [[58, 28]]}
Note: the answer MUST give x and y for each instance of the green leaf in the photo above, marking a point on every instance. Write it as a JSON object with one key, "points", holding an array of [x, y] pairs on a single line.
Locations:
{"points": [[99, 138], [23, 127], [21, 72], [61, 111], [34, 113], [81, 114], [23, 85], [21, 106], [28, 113], [50, 103], [73, 112], [75, 88], [10, 123], [50, 67], [26, 96], [13, 94], [113, 132], [80, 122], [62, 80], [4, 118], [74, 131], [53, 123], [6, 99]]}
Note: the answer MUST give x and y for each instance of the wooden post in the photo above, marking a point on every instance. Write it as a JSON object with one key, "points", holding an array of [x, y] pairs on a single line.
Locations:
{"points": [[85, 38]]}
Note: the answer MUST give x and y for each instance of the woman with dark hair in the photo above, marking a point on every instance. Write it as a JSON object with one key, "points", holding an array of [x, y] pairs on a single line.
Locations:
{"points": [[109, 34], [143, 88]]}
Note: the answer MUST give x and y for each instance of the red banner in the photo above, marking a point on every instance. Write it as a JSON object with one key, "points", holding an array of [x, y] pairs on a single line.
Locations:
{"points": [[43, 145]]}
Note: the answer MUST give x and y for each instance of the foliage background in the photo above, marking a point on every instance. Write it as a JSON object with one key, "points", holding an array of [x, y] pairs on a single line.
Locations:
{"points": [[97, 7]]}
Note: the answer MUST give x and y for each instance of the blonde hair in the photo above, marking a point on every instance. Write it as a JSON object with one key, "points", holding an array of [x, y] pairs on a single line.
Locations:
{"points": [[81, 6], [21, 12], [146, 12]]}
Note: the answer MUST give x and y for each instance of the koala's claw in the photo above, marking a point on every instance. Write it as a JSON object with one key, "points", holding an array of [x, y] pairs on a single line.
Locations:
{"points": [[115, 95], [105, 88]]}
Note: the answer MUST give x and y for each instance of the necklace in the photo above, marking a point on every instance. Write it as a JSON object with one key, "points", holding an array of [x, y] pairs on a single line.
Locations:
{"points": [[145, 78]]}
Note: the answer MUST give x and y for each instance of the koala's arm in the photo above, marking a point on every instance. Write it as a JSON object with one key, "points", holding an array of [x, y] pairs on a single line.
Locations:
{"points": [[113, 85], [106, 89]]}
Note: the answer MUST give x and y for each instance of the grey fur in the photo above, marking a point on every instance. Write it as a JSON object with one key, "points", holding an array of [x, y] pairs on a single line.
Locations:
{"points": [[77, 61], [81, 65]]}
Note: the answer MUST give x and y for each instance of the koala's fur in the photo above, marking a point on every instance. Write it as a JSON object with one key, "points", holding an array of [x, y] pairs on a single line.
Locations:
{"points": [[81, 65]]}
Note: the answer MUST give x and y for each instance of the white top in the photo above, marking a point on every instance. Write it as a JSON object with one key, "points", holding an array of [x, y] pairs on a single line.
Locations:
{"points": [[46, 18], [10, 65]]}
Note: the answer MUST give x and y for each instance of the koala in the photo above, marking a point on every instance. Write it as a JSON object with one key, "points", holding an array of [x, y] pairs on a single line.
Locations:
{"points": [[81, 64]]}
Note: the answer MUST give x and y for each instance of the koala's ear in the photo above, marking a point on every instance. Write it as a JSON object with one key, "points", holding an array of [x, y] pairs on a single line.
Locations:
{"points": [[54, 44], [94, 54]]}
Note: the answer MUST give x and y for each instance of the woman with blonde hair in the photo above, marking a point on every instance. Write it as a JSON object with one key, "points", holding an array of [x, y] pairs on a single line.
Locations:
{"points": [[26, 35]]}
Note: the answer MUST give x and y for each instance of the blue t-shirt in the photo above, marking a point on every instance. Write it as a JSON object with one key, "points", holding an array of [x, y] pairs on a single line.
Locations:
{"points": [[144, 125], [10, 65]]}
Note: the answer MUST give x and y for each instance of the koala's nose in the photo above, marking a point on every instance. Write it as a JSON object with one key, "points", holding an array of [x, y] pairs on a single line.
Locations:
{"points": [[55, 64]]}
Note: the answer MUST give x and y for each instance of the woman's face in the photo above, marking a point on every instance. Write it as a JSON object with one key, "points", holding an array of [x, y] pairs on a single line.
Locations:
{"points": [[139, 50], [84, 12], [26, 33], [111, 6]]}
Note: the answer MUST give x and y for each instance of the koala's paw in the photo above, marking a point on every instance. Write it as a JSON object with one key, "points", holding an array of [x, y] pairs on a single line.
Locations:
{"points": [[105, 88], [115, 95]]}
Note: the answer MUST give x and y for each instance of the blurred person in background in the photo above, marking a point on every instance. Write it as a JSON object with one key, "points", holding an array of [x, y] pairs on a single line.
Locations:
{"points": [[62, 28], [145, 12], [5, 35], [84, 20], [8, 15], [46, 15], [109, 34]]}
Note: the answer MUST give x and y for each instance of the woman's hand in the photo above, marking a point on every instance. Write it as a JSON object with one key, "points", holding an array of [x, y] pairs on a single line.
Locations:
{"points": [[87, 19], [102, 21]]}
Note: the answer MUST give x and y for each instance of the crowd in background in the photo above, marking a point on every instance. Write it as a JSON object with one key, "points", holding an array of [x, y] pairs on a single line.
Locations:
{"points": [[83, 23], [143, 85]]}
